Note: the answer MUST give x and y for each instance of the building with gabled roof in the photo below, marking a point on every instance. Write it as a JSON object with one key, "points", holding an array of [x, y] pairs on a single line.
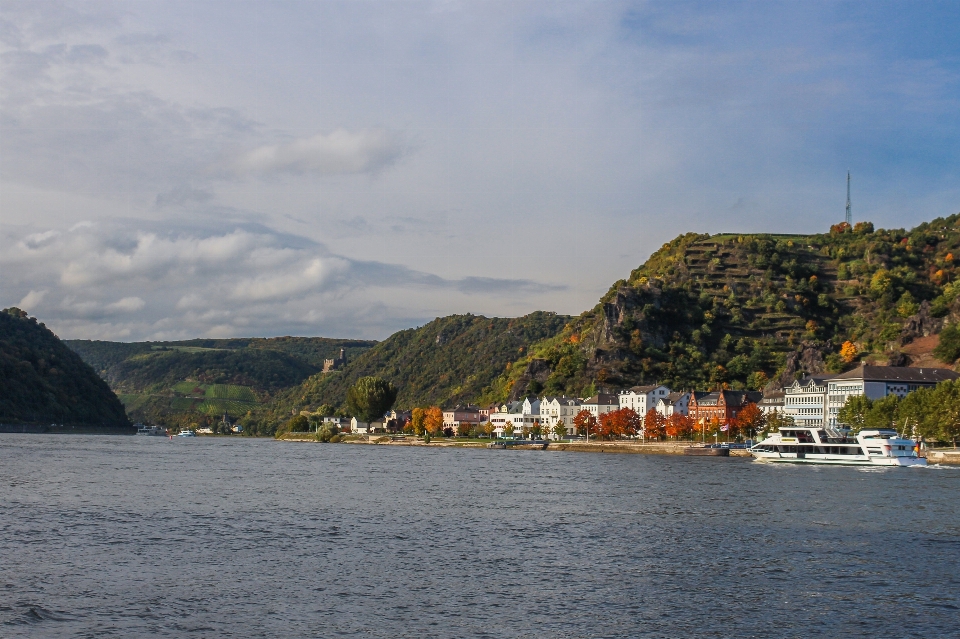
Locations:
{"points": [[722, 406], [641, 399]]}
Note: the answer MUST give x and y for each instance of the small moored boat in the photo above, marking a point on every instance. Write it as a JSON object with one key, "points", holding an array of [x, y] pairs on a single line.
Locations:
{"points": [[186, 433]]}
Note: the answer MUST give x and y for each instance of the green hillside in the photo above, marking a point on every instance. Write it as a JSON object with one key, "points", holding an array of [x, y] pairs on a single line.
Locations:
{"points": [[265, 363], [449, 360], [156, 380], [742, 310], [43, 382]]}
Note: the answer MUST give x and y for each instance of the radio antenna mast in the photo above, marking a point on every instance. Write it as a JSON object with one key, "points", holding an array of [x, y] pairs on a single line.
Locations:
{"points": [[849, 218]]}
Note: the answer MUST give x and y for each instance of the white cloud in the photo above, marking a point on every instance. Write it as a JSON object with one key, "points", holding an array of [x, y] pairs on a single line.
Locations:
{"points": [[127, 305], [340, 151], [132, 280], [31, 300]]}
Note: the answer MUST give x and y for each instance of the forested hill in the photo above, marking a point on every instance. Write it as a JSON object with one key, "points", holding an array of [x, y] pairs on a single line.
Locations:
{"points": [[449, 360], [754, 311], [265, 364], [43, 382]]}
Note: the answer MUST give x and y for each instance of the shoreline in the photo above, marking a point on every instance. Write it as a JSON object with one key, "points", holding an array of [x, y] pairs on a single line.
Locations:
{"points": [[945, 456], [617, 447]]}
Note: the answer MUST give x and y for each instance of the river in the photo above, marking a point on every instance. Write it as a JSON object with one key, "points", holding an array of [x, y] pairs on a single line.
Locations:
{"points": [[106, 536]]}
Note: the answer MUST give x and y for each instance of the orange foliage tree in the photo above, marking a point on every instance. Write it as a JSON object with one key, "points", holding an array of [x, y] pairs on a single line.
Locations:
{"points": [[848, 351], [678, 426], [654, 425], [749, 420], [585, 422], [619, 423], [433, 420]]}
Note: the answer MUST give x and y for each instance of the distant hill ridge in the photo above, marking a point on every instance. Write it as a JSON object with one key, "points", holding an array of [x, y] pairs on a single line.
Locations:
{"points": [[43, 382]]}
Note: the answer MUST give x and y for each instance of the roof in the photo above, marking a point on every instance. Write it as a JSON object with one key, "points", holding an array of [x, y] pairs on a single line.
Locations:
{"points": [[602, 399], [730, 397], [640, 390], [899, 374], [774, 398], [818, 380]]}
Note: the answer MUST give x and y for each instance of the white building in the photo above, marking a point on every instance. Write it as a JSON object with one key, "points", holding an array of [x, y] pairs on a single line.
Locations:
{"points": [[553, 409], [641, 399], [877, 382], [600, 404], [511, 419], [805, 401], [771, 402], [363, 428], [673, 403]]}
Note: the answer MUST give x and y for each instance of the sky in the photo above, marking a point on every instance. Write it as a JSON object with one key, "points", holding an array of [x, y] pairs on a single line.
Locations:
{"points": [[171, 170]]}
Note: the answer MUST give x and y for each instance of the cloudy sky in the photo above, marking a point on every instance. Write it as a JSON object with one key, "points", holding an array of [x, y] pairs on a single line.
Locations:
{"points": [[183, 169]]}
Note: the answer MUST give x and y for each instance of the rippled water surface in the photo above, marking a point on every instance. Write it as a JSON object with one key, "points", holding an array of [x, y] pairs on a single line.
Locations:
{"points": [[142, 536]]}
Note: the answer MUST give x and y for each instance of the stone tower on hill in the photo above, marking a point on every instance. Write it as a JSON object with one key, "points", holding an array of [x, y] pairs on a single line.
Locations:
{"points": [[330, 365]]}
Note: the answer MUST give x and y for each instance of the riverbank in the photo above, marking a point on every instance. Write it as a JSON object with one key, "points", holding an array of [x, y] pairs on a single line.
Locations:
{"points": [[619, 447]]}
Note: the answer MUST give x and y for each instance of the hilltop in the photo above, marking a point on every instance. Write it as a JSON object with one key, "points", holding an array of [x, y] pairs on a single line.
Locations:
{"points": [[43, 382], [756, 310]]}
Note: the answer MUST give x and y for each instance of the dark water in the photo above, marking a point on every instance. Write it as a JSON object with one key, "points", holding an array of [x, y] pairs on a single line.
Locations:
{"points": [[140, 537]]}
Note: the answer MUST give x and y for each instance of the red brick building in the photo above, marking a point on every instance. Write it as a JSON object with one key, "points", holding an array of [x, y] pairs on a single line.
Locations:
{"points": [[724, 406]]}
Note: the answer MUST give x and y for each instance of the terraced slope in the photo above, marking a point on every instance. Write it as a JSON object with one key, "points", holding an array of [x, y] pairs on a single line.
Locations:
{"points": [[744, 310]]}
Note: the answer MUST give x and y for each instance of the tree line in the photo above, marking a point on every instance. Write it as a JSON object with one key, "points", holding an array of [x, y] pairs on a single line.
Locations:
{"points": [[930, 413]]}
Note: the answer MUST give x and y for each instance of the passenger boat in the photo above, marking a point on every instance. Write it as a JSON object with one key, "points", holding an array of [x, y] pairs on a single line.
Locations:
{"points": [[804, 445], [186, 433], [151, 430]]}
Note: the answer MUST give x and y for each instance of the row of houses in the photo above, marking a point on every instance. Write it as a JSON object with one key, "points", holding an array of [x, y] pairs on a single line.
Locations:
{"points": [[812, 401]]}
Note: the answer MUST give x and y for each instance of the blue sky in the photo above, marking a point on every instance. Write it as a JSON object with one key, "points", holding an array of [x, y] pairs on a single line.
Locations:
{"points": [[184, 169]]}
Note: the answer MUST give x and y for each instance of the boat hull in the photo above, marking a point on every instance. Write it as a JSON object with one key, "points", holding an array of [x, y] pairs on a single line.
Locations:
{"points": [[837, 460]]}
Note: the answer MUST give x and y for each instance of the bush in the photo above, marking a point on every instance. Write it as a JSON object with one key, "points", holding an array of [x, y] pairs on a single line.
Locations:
{"points": [[948, 350]]}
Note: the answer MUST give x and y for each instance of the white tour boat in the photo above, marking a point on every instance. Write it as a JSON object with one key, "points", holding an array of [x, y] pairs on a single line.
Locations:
{"points": [[802, 445]]}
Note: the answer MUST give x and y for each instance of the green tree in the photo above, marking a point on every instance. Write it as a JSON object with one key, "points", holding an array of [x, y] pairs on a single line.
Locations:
{"points": [[560, 429], [948, 350], [296, 424], [777, 420], [325, 410], [370, 398], [882, 413], [854, 412]]}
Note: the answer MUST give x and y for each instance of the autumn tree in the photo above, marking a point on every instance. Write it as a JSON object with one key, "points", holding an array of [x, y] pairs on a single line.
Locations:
{"points": [[370, 397], [606, 425], [585, 422], [848, 352], [417, 421], [678, 425], [630, 423], [433, 421], [653, 424], [750, 420], [536, 430]]}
